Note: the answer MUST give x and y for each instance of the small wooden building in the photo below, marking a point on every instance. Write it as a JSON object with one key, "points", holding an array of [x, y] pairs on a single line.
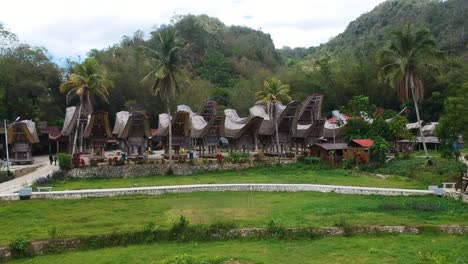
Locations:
{"points": [[21, 136], [331, 153], [97, 131], [359, 149]]}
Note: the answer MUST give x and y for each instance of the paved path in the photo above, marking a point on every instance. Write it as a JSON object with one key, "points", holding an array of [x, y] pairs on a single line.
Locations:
{"points": [[237, 187], [43, 170]]}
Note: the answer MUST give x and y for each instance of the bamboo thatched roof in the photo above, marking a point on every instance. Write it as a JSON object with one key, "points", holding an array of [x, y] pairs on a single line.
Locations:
{"points": [[310, 116], [97, 121], [69, 124], [235, 126], [287, 117], [134, 123], [23, 130]]}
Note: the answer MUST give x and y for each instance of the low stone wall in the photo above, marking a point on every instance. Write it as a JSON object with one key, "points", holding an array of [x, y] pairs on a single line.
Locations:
{"points": [[237, 187], [134, 170], [42, 247]]}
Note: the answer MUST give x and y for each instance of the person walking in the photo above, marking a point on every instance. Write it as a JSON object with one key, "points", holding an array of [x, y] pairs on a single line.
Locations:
{"points": [[51, 159], [55, 160]]}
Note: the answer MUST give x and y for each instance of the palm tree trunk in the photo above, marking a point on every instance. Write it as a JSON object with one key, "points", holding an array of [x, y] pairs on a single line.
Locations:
{"points": [[76, 130], [277, 139], [418, 117], [170, 131]]}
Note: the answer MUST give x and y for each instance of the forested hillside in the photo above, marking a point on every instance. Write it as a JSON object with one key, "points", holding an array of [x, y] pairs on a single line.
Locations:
{"points": [[230, 63]]}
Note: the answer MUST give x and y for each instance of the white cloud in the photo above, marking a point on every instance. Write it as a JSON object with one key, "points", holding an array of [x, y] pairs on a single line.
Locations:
{"points": [[72, 28]]}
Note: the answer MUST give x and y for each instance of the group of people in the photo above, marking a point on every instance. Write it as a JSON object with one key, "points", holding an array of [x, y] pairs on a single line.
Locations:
{"points": [[52, 159]]}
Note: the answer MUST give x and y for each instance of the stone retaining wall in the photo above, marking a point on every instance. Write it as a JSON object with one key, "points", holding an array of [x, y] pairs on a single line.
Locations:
{"points": [[42, 247], [134, 170], [242, 187]]}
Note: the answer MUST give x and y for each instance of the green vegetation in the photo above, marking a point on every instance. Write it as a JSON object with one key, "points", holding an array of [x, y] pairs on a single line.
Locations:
{"points": [[293, 173], [425, 248], [65, 161], [35, 218], [229, 63], [442, 170]]}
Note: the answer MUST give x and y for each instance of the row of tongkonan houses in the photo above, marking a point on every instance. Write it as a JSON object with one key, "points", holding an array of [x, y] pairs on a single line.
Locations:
{"points": [[300, 126]]}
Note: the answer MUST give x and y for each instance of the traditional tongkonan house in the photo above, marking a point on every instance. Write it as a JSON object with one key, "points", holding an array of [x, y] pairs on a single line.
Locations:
{"points": [[21, 136], [287, 116], [97, 132], [310, 123], [206, 127], [180, 128], [132, 132], [241, 132]]}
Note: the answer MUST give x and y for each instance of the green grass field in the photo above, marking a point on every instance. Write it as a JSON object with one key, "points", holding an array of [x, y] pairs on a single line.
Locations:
{"points": [[406, 249], [33, 219], [293, 173]]}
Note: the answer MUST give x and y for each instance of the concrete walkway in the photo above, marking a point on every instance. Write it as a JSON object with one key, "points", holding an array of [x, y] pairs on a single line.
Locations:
{"points": [[44, 168], [240, 187]]}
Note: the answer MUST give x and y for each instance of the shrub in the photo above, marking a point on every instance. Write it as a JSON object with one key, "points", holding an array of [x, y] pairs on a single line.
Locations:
{"points": [[6, 176], [93, 162], [177, 231], [18, 247], [238, 157], [424, 206], [76, 160], [275, 229], [65, 161], [43, 180], [219, 158], [311, 160], [390, 206], [379, 150]]}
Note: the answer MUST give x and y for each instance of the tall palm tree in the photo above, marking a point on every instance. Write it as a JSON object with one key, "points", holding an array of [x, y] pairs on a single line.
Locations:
{"points": [[88, 81], [273, 92], [167, 75], [407, 55]]}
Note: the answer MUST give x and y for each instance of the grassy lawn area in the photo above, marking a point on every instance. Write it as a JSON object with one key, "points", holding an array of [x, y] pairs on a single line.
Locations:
{"points": [[425, 248], [34, 219], [293, 173]]}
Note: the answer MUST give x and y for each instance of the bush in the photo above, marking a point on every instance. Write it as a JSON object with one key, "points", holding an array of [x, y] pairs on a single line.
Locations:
{"points": [[311, 160], [6, 176], [18, 247], [238, 157], [65, 161], [93, 162], [276, 230], [390, 206], [379, 150], [177, 231]]}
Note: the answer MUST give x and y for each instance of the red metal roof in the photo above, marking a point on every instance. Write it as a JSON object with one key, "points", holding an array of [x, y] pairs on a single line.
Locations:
{"points": [[365, 143], [333, 119]]}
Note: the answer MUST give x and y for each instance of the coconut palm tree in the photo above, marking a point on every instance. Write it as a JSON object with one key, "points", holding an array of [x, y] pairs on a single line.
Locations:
{"points": [[273, 92], [408, 54], [167, 75], [88, 81]]}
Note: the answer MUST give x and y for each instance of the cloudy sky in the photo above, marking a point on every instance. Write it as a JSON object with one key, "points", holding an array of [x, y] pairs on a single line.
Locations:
{"points": [[71, 28]]}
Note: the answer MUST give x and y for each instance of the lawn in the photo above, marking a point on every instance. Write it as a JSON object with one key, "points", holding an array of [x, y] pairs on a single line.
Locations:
{"points": [[409, 249], [34, 219], [293, 173]]}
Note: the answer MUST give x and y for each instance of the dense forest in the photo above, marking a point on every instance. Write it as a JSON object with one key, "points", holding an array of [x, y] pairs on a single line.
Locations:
{"points": [[230, 63]]}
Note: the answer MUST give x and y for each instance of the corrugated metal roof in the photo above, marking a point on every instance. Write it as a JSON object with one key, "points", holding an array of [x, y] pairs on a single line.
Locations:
{"points": [[332, 146], [365, 143]]}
